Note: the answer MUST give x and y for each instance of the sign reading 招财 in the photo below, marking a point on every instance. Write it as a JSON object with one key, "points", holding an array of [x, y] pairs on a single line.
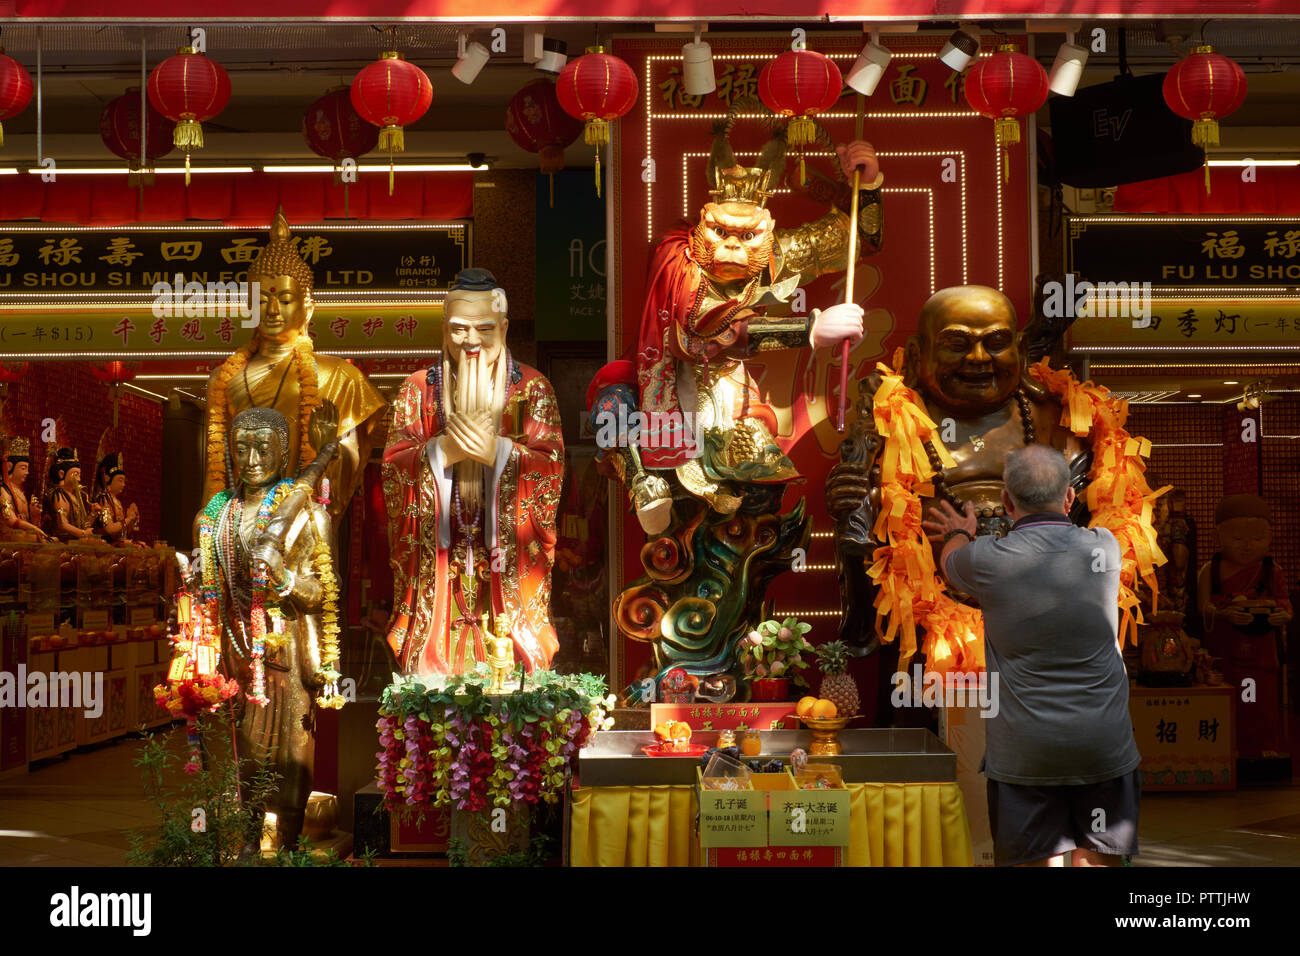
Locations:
{"points": [[1193, 252], [357, 257], [1186, 737]]}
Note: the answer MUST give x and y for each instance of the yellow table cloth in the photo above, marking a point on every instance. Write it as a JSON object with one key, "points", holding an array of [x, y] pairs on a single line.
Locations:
{"points": [[892, 824]]}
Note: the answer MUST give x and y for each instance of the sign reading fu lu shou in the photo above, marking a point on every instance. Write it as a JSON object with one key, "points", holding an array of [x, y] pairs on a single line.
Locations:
{"points": [[1191, 252], [380, 257]]}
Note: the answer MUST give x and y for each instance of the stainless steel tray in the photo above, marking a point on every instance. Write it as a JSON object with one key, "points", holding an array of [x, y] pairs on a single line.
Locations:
{"points": [[904, 755]]}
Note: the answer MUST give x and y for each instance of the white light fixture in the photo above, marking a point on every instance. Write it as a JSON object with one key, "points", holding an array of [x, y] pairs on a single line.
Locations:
{"points": [[870, 65], [555, 53], [962, 47], [8, 171], [121, 171], [1231, 383], [697, 68], [374, 168], [1067, 70], [1191, 395], [1254, 162], [473, 57]]}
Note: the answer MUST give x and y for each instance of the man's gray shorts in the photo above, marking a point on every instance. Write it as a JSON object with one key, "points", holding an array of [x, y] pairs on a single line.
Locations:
{"points": [[1033, 823]]}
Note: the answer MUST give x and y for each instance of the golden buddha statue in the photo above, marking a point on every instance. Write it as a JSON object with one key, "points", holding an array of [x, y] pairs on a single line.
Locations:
{"points": [[268, 590], [278, 369]]}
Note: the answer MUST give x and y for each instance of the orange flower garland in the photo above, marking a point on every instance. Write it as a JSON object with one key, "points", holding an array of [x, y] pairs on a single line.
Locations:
{"points": [[1119, 497], [219, 404], [910, 591]]}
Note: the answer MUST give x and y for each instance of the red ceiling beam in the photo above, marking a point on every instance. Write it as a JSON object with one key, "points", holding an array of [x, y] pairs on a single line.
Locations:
{"points": [[476, 11]]}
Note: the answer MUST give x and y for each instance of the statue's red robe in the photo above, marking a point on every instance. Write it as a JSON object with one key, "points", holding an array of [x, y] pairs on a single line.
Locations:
{"points": [[431, 631]]}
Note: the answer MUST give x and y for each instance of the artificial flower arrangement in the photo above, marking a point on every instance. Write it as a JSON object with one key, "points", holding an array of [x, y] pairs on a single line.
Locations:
{"points": [[188, 698], [446, 743], [775, 649]]}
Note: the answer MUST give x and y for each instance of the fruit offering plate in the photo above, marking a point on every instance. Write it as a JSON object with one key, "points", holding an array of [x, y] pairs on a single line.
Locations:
{"points": [[693, 750], [828, 723]]}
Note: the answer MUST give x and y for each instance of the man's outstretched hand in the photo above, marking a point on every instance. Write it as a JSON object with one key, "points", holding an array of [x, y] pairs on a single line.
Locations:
{"points": [[944, 517]]}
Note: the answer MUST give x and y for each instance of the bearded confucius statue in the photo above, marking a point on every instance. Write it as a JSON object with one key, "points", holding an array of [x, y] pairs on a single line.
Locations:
{"points": [[706, 476]]}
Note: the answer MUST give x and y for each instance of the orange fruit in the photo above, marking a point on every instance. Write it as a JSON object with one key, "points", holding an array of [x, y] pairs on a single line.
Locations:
{"points": [[824, 708], [805, 706]]}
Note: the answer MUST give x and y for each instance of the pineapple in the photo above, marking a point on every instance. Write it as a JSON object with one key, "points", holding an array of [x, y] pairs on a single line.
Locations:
{"points": [[837, 686]]}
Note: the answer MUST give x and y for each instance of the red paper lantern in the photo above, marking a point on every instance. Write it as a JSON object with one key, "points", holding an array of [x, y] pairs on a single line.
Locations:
{"points": [[114, 374], [12, 371], [536, 122], [188, 89], [1202, 87], [119, 128], [1004, 87], [391, 94], [15, 90], [335, 130], [800, 84], [597, 88]]}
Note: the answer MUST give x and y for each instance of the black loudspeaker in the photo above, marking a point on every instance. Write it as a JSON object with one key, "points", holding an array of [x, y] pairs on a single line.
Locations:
{"points": [[1120, 132]]}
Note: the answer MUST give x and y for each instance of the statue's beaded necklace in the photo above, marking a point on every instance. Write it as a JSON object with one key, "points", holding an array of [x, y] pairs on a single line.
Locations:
{"points": [[941, 488], [249, 602]]}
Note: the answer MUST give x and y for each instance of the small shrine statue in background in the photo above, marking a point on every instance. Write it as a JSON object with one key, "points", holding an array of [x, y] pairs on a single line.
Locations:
{"points": [[472, 476], [115, 522], [1246, 606], [266, 581], [16, 509], [68, 515], [279, 369]]}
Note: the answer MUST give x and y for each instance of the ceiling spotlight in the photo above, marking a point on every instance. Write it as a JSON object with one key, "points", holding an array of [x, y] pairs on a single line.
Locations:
{"points": [[1068, 68], [962, 47], [555, 53], [869, 66], [473, 57], [697, 68]]}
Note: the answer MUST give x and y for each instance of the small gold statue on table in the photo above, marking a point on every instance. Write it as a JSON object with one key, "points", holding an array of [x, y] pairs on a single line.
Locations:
{"points": [[500, 654]]}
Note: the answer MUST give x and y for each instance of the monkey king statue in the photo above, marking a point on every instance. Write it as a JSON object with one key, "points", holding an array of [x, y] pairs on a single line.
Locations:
{"points": [[278, 369], [472, 476], [704, 473]]}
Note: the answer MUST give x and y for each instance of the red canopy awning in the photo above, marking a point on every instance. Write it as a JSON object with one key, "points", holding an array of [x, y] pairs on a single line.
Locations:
{"points": [[474, 11], [1265, 191], [236, 199]]}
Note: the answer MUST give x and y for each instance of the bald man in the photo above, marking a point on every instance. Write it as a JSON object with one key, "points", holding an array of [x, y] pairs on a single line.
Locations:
{"points": [[1061, 761]]}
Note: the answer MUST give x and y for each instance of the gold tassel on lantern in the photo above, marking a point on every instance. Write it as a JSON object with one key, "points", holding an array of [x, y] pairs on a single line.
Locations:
{"points": [[596, 133], [391, 139], [1205, 133], [2, 134], [188, 134], [801, 131], [1006, 129]]}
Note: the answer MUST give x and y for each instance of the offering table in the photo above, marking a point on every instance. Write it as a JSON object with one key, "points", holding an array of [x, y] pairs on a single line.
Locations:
{"points": [[628, 809]]}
